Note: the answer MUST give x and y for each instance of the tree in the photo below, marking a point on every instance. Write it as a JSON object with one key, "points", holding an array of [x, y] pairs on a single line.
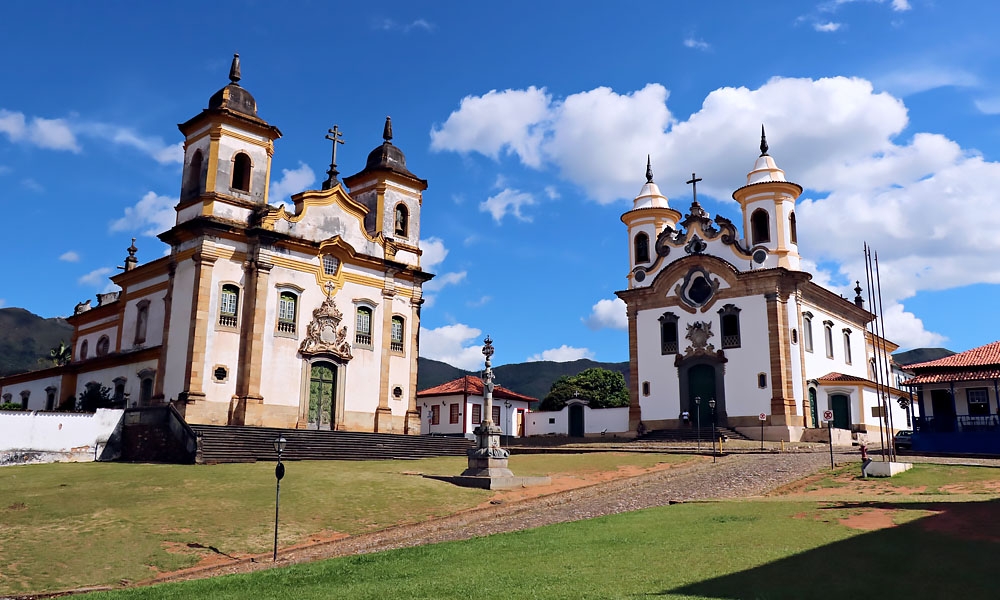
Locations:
{"points": [[600, 387], [94, 396], [61, 354]]}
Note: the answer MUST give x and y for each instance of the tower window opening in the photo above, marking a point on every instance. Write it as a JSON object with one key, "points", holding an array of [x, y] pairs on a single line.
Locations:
{"points": [[791, 229], [730, 317], [402, 220], [192, 183], [641, 248], [760, 226], [241, 172]]}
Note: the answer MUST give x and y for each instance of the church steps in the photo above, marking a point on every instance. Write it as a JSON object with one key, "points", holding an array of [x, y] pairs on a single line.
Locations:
{"points": [[692, 434]]}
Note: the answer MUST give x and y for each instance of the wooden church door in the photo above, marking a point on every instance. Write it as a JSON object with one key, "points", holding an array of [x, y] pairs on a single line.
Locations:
{"points": [[322, 394]]}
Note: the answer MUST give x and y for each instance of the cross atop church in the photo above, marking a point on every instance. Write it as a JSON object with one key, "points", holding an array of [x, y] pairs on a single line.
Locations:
{"points": [[693, 182], [329, 288], [335, 135]]}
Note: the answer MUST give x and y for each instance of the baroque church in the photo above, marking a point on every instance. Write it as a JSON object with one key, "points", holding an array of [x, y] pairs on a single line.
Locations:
{"points": [[731, 328], [260, 315]]}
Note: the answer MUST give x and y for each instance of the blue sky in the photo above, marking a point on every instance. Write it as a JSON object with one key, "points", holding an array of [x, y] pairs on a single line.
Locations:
{"points": [[531, 122]]}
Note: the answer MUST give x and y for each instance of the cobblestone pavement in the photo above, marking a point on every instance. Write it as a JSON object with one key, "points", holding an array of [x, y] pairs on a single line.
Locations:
{"points": [[739, 475]]}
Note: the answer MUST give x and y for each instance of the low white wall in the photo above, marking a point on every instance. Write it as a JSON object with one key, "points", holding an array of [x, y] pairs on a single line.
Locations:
{"points": [[53, 436], [595, 421]]}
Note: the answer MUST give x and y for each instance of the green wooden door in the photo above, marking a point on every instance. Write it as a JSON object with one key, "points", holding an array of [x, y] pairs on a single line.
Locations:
{"points": [[322, 388], [813, 410], [701, 385], [577, 427], [841, 407]]}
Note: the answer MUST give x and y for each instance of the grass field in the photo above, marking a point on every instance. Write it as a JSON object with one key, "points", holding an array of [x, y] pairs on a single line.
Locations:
{"points": [[70, 525]]}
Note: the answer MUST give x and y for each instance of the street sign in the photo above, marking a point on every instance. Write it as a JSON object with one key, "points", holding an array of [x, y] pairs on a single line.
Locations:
{"points": [[827, 416], [762, 416]]}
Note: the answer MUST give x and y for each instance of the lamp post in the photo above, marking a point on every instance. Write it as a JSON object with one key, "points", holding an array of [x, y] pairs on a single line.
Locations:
{"points": [[507, 405], [279, 472], [711, 404], [697, 412]]}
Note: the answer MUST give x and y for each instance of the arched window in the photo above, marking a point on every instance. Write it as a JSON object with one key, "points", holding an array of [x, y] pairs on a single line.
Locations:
{"points": [[363, 327], [847, 346], [760, 226], [396, 339], [103, 345], [25, 394], [807, 330], [791, 228], [141, 320], [241, 172], [730, 317], [828, 337], [50, 398], [84, 349], [668, 333], [641, 248], [762, 380], [229, 302], [402, 220], [192, 183], [287, 310], [146, 391]]}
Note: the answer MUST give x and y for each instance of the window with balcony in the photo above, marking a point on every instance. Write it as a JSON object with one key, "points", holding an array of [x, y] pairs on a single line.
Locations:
{"points": [[730, 317], [287, 311], [396, 335], [668, 333], [363, 327], [229, 305]]}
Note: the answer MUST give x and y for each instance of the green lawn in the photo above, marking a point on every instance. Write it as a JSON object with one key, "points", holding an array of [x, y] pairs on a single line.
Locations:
{"points": [[69, 525], [738, 550]]}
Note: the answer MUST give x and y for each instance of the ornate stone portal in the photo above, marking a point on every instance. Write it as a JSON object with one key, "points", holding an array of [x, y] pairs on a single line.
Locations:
{"points": [[325, 335]]}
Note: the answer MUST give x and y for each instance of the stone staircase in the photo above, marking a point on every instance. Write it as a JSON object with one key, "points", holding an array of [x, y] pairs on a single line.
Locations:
{"points": [[691, 434], [228, 444]]}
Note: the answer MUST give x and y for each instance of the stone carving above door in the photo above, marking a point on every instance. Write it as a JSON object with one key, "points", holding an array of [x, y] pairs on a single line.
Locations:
{"points": [[325, 335]]}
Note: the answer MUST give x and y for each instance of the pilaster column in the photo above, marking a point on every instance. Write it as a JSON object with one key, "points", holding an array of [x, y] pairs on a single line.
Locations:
{"points": [[782, 399], [634, 410], [251, 355], [200, 319], [383, 414], [161, 363], [412, 424]]}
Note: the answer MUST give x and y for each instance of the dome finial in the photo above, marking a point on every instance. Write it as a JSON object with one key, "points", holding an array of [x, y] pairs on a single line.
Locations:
{"points": [[763, 141], [234, 70], [649, 170], [387, 130]]}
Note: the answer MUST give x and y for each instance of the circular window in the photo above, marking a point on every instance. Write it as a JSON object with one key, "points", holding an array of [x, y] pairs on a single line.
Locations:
{"points": [[220, 373], [640, 276], [397, 392], [759, 256]]}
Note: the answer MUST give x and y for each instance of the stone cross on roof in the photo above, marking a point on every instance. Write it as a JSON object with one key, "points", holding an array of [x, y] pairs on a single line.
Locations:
{"points": [[335, 135]]}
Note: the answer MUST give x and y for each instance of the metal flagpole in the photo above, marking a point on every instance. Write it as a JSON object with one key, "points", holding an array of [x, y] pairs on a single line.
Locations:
{"points": [[888, 365], [876, 368]]}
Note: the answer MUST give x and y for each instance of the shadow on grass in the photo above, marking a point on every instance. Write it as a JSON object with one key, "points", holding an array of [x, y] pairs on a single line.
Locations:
{"points": [[949, 554]]}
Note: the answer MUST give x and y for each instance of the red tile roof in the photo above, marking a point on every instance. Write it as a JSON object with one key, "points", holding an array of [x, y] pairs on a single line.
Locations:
{"points": [[948, 376], [842, 378], [473, 386], [988, 355]]}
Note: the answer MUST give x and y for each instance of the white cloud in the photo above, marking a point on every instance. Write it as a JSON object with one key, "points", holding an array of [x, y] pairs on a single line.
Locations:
{"points": [[910, 80], [444, 279], [69, 256], [697, 44], [482, 301], [901, 5], [829, 26], [292, 181], [393, 25], [151, 146], [563, 353], [551, 192], [31, 184], [507, 202], [53, 134], [907, 330], [451, 344], [3, 303], [4, 170], [608, 314], [152, 214], [988, 106], [95, 277], [434, 253]]}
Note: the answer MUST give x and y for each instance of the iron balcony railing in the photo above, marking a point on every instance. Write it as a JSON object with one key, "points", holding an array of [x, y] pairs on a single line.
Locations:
{"points": [[227, 320], [960, 423], [286, 326]]}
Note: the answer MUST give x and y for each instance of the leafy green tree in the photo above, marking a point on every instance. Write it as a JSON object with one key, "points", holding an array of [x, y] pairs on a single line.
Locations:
{"points": [[61, 354], [600, 387], [94, 396]]}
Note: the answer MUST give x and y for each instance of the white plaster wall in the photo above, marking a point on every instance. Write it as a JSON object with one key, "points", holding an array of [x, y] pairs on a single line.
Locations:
{"points": [[595, 421], [107, 376], [550, 422], [817, 363], [282, 365], [57, 432], [180, 321], [743, 397], [444, 425], [230, 212], [610, 420], [38, 393], [228, 148], [795, 355], [189, 212], [154, 320], [324, 222], [222, 346], [95, 334], [656, 368]]}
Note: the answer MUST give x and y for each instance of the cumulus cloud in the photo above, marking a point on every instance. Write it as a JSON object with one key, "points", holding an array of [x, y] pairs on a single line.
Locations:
{"points": [[434, 253], [152, 214], [453, 344], [988, 106], [151, 146], [69, 256], [563, 353], [827, 27], [697, 44], [52, 134], [445, 279], [292, 181], [507, 202], [608, 314], [911, 80], [95, 277]]}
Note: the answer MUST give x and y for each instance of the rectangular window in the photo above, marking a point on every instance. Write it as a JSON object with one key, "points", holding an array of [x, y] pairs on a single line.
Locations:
{"points": [[979, 401], [228, 305], [396, 343], [477, 414], [286, 312], [807, 331], [730, 317], [330, 264], [435, 414], [363, 327], [828, 337], [496, 416], [453, 414], [847, 346], [668, 333]]}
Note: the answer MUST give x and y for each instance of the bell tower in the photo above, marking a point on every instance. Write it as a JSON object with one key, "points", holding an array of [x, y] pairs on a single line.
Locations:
{"points": [[768, 205], [227, 155], [650, 215]]}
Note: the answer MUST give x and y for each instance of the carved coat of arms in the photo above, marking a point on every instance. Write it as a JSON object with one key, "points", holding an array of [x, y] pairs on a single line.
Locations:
{"points": [[325, 335], [699, 332]]}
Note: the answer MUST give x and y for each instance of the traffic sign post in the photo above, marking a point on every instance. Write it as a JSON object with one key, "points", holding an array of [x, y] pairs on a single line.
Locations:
{"points": [[762, 417], [828, 417]]}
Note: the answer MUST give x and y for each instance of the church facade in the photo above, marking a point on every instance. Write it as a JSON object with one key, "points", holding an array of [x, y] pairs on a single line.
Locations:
{"points": [[260, 315], [729, 327]]}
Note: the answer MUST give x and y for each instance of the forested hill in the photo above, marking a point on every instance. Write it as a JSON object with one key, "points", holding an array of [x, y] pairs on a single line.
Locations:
{"points": [[530, 378], [26, 339]]}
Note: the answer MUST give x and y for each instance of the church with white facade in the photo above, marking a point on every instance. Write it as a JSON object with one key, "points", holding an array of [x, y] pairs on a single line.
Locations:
{"points": [[261, 315], [729, 326]]}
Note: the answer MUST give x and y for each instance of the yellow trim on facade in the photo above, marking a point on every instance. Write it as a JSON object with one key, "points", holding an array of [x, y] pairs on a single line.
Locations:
{"points": [[213, 161]]}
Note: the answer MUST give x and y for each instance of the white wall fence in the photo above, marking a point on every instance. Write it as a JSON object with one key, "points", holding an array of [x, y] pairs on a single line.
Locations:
{"points": [[596, 421], [35, 436]]}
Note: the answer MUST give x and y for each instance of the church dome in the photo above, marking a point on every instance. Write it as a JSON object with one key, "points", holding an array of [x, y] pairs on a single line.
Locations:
{"points": [[387, 157], [234, 97], [650, 195], [764, 168]]}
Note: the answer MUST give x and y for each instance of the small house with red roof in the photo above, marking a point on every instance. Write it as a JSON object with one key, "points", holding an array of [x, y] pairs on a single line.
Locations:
{"points": [[456, 408], [958, 401]]}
